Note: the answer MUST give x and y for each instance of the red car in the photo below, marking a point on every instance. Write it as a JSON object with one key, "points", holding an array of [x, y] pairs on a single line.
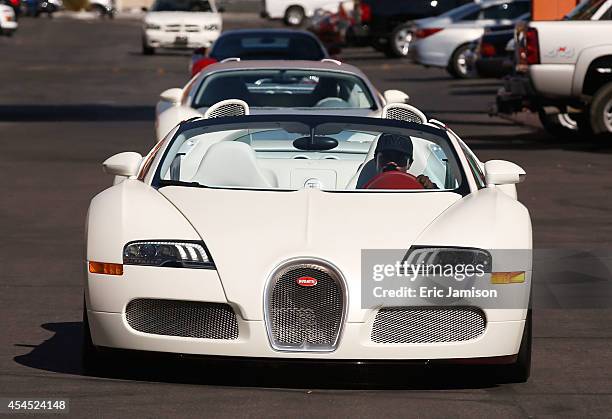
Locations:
{"points": [[260, 44]]}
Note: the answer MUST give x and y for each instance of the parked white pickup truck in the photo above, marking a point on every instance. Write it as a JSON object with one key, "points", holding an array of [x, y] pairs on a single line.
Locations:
{"points": [[564, 71]]}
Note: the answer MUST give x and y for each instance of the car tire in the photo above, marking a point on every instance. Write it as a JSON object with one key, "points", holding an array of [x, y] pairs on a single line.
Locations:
{"points": [[459, 66], [99, 11], [520, 371], [600, 112], [558, 124], [294, 16], [399, 42], [146, 49]]}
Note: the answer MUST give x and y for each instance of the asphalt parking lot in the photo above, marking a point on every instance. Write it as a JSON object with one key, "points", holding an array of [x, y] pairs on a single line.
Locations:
{"points": [[75, 92]]}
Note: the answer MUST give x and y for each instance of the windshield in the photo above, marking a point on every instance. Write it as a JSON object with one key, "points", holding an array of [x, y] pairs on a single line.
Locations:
{"points": [[585, 10], [181, 6], [332, 156], [278, 46], [285, 89]]}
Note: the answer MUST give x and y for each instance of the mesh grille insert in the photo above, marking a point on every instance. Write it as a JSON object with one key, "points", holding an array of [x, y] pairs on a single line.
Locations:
{"points": [[182, 318], [403, 115], [231, 109], [305, 318], [427, 324]]}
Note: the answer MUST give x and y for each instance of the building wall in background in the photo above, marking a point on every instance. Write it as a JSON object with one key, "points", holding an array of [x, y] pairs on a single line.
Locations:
{"points": [[552, 9]]}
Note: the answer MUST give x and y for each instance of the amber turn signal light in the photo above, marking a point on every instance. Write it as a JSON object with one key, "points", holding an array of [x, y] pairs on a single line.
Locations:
{"points": [[507, 277], [105, 268]]}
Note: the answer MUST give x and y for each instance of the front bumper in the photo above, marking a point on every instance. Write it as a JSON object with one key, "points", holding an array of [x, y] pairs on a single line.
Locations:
{"points": [[108, 296], [179, 40]]}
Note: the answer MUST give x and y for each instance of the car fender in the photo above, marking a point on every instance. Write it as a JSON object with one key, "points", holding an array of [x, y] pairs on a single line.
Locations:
{"points": [[131, 210], [488, 219], [586, 57], [171, 117]]}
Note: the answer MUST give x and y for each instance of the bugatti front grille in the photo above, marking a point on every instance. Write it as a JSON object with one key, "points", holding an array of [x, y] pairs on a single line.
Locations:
{"points": [[182, 318], [403, 115], [427, 324], [305, 308]]}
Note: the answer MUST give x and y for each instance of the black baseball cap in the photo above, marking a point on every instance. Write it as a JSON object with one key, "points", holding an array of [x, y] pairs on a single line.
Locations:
{"points": [[394, 142]]}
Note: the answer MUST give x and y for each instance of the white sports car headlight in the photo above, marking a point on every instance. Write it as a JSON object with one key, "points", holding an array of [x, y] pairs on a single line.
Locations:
{"points": [[449, 256], [168, 254]]}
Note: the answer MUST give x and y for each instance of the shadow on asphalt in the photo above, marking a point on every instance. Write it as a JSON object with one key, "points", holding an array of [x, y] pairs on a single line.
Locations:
{"points": [[62, 354], [75, 113]]}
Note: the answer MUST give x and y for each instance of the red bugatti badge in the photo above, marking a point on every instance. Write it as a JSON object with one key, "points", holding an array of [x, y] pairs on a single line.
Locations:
{"points": [[306, 281]]}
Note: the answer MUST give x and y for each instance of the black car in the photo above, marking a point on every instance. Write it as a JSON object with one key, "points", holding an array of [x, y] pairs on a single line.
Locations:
{"points": [[493, 57], [260, 44], [385, 24]]}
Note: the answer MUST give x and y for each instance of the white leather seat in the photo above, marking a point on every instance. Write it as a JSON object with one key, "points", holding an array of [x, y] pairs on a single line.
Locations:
{"points": [[233, 164]]}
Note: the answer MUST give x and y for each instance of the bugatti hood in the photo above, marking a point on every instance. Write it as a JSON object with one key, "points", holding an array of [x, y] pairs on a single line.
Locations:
{"points": [[249, 233]]}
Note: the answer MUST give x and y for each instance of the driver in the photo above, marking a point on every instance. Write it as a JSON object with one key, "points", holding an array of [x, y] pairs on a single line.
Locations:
{"points": [[394, 153]]}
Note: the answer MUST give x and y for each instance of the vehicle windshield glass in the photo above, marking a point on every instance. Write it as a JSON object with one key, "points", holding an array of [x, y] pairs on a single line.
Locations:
{"points": [[282, 46], [285, 89], [585, 10], [181, 6], [293, 155]]}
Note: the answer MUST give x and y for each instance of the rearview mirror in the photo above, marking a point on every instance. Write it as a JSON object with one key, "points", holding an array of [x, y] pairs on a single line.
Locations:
{"points": [[501, 172], [395, 96], [173, 95], [124, 164]]}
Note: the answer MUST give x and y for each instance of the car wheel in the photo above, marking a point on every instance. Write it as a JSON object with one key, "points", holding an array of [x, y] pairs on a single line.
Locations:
{"points": [[461, 64], [294, 16], [558, 124], [99, 11], [520, 371], [601, 110], [399, 42]]}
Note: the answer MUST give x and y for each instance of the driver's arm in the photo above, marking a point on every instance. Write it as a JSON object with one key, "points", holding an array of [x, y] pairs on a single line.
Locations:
{"points": [[426, 182]]}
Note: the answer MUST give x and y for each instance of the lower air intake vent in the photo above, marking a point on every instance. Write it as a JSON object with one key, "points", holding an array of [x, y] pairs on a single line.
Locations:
{"points": [[305, 307], [182, 318], [229, 107], [427, 324]]}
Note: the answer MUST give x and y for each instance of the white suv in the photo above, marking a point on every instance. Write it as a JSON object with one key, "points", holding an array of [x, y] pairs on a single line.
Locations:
{"points": [[184, 24]]}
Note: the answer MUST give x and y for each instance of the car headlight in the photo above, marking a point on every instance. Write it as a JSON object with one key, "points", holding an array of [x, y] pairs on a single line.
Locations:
{"points": [[168, 254], [450, 256], [152, 26], [211, 27]]}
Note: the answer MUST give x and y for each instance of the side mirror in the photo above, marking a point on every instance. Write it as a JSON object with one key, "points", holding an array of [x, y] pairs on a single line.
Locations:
{"points": [[501, 172], [124, 164], [395, 96], [221, 9], [173, 95]]}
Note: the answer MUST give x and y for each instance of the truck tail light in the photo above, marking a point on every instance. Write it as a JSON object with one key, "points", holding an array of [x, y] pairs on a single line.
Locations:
{"points": [[424, 33], [366, 12], [528, 47]]}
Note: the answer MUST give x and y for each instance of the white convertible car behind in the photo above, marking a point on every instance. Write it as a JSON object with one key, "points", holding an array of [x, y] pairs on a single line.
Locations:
{"points": [[275, 86], [253, 237]]}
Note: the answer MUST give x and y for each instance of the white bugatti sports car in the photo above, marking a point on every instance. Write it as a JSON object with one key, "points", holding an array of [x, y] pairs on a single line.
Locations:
{"points": [[276, 87], [244, 237]]}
